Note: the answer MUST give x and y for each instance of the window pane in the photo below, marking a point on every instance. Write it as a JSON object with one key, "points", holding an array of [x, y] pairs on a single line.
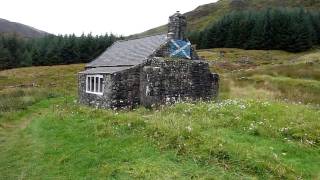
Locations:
{"points": [[92, 84], [88, 84], [101, 84], [97, 84]]}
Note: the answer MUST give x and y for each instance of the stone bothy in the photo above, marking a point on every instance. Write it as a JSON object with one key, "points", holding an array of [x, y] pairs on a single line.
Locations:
{"points": [[148, 71]]}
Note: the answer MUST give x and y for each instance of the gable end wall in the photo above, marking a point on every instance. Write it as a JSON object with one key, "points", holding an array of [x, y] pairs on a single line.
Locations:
{"points": [[169, 81], [121, 90]]}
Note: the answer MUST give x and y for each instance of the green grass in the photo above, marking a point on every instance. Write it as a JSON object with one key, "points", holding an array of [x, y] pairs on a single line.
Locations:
{"points": [[264, 125], [230, 139], [225, 60], [294, 71], [280, 75], [62, 78], [19, 99], [305, 90]]}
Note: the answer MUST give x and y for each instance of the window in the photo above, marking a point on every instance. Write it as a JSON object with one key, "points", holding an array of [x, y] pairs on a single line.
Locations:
{"points": [[94, 84]]}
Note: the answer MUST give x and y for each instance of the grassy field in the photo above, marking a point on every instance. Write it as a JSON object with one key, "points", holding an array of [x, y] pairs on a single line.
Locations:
{"points": [[265, 124], [293, 77]]}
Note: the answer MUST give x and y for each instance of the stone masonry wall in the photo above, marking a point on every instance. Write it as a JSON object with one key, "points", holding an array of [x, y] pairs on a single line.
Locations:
{"points": [[125, 92], [121, 90], [177, 26], [158, 81], [168, 81], [94, 99]]}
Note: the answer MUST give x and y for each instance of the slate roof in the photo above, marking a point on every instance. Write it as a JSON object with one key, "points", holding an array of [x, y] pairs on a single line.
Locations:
{"points": [[105, 70], [129, 52]]}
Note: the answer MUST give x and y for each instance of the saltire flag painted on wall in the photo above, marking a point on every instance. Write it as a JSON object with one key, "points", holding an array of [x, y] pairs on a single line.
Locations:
{"points": [[180, 49]]}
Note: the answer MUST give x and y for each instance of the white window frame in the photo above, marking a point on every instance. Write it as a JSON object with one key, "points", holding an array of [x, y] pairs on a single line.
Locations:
{"points": [[95, 90]]}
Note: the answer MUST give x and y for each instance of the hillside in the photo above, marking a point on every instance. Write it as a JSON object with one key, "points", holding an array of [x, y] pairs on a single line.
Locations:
{"points": [[205, 14], [265, 125], [8, 27]]}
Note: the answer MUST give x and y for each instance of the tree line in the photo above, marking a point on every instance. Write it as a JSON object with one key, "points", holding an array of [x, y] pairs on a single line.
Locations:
{"points": [[286, 29], [51, 50]]}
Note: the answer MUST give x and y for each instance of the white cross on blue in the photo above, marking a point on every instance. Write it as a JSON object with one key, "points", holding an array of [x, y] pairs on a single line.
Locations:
{"points": [[180, 49]]}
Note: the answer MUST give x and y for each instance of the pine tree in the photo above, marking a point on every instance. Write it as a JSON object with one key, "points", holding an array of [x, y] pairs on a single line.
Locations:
{"points": [[203, 39], [268, 42], [246, 26], [26, 59], [5, 58], [210, 40], [233, 32], [301, 37], [315, 20], [194, 37], [257, 36]]}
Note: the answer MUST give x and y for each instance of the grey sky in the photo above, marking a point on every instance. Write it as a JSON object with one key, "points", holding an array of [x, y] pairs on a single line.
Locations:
{"points": [[97, 16]]}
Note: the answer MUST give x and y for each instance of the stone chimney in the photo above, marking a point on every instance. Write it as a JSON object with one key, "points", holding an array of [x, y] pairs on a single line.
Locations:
{"points": [[177, 27]]}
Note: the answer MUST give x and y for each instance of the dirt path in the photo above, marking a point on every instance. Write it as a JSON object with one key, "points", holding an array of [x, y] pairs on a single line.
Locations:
{"points": [[23, 120]]}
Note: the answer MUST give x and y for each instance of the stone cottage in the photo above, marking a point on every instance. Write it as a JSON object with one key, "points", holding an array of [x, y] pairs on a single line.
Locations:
{"points": [[148, 71]]}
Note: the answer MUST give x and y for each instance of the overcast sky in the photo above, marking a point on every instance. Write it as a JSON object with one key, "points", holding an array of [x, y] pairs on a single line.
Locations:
{"points": [[123, 17]]}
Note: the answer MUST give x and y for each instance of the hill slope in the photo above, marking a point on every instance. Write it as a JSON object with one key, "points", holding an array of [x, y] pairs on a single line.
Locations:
{"points": [[8, 27], [205, 14]]}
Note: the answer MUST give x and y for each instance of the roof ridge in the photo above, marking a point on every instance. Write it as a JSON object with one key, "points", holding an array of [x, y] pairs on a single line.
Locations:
{"points": [[128, 52], [141, 37]]}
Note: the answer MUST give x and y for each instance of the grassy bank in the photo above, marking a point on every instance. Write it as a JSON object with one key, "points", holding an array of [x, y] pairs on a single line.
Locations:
{"points": [[229, 139]]}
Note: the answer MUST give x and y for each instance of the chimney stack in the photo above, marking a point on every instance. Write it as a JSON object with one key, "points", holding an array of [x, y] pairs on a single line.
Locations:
{"points": [[177, 27]]}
